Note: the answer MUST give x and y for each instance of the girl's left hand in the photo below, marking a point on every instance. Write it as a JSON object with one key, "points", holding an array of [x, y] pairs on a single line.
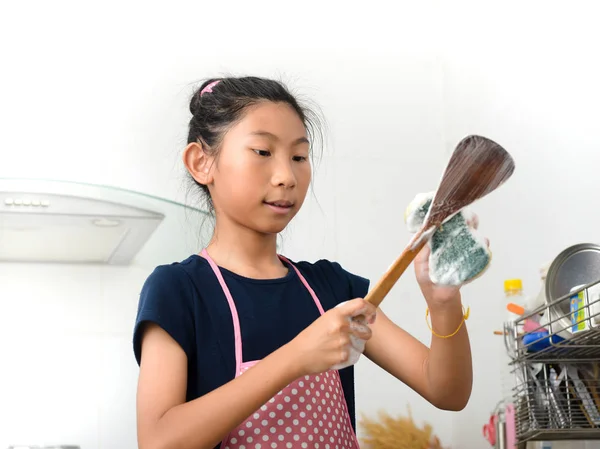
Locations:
{"points": [[437, 294]]}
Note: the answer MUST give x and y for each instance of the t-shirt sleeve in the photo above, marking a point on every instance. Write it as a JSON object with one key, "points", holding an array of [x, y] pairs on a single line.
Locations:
{"points": [[345, 285], [358, 286], [167, 299]]}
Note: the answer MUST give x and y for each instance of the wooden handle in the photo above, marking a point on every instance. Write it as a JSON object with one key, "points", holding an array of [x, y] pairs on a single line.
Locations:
{"points": [[391, 276]]}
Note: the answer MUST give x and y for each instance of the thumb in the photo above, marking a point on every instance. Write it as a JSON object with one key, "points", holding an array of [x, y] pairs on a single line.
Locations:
{"points": [[424, 254], [354, 307]]}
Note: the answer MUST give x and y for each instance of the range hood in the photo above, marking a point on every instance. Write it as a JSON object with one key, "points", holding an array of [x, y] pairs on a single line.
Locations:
{"points": [[44, 222]]}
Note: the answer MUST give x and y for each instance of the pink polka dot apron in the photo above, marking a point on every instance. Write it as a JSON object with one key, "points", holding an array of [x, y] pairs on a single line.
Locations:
{"points": [[311, 412]]}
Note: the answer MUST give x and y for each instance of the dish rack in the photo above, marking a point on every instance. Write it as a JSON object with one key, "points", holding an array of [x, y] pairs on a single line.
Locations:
{"points": [[555, 361]]}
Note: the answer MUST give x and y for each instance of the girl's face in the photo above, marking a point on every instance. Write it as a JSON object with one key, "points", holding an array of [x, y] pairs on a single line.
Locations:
{"points": [[262, 172]]}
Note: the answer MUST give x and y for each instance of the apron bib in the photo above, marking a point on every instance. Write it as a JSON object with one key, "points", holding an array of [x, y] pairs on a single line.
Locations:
{"points": [[311, 412]]}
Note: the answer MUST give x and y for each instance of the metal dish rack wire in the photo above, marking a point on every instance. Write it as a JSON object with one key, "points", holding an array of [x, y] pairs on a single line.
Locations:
{"points": [[555, 352]]}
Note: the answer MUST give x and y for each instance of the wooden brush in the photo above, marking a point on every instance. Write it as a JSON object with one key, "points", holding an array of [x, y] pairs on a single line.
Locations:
{"points": [[477, 167]]}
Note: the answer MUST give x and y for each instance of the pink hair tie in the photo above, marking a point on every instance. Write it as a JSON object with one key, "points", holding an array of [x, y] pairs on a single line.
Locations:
{"points": [[208, 89]]}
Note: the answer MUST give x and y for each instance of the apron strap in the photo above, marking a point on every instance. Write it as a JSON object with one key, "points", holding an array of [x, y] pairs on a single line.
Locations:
{"points": [[234, 315], [308, 287]]}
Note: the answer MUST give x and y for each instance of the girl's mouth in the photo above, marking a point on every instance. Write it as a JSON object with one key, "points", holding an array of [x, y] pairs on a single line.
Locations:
{"points": [[280, 207]]}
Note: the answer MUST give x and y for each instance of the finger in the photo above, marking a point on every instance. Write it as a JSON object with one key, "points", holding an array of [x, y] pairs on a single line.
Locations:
{"points": [[472, 219], [423, 255], [371, 313], [344, 355], [367, 315], [360, 330], [487, 242], [354, 307]]}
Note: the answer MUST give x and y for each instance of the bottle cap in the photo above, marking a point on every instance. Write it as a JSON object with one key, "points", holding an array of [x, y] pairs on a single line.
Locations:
{"points": [[513, 284]]}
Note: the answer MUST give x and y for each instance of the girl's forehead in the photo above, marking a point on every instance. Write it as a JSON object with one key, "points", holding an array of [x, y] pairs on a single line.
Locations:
{"points": [[266, 118]]}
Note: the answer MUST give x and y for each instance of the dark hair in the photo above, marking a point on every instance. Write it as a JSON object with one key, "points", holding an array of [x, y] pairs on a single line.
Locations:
{"points": [[214, 112]]}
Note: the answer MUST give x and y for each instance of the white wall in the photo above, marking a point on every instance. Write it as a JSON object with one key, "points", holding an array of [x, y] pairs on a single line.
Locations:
{"points": [[68, 375], [98, 93], [522, 73]]}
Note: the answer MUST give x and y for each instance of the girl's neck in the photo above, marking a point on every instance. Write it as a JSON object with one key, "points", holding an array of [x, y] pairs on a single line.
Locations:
{"points": [[246, 252]]}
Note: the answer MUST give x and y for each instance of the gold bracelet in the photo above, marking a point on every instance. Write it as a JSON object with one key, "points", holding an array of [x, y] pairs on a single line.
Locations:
{"points": [[464, 318]]}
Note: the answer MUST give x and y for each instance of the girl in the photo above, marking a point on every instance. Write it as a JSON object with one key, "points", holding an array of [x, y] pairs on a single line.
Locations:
{"points": [[241, 348]]}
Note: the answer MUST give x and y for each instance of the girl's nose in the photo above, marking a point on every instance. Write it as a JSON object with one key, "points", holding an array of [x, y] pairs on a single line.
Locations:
{"points": [[283, 175]]}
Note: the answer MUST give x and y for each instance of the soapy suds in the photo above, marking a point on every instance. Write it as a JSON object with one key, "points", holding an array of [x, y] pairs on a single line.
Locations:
{"points": [[357, 345], [417, 211], [458, 253], [359, 328]]}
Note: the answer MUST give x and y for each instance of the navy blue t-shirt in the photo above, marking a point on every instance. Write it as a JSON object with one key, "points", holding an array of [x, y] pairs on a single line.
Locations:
{"points": [[186, 300]]}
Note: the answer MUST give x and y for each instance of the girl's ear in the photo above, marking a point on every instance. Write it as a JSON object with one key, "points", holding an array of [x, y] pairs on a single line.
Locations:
{"points": [[198, 163]]}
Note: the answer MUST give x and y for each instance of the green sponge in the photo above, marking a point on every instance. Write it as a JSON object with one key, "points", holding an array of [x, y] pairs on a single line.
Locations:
{"points": [[458, 253]]}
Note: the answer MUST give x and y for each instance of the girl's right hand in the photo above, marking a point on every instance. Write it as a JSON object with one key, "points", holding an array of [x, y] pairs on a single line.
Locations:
{"points": [[327, 342]]}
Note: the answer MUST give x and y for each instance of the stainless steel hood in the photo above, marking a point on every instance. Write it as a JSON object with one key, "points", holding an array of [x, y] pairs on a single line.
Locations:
{"points": [[44, 222]]}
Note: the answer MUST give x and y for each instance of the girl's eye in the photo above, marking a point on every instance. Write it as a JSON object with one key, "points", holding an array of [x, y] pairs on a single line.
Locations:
{"points": [[263, 153], [299, 158]]}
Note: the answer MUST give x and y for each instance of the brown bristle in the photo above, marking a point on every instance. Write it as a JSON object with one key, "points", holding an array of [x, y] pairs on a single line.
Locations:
{"points": [[477, 167]]}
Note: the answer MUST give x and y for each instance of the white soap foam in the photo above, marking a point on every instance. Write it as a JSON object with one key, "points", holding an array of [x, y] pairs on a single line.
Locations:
{"points": [[414, 220], [453, 274], [456, 272]]}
